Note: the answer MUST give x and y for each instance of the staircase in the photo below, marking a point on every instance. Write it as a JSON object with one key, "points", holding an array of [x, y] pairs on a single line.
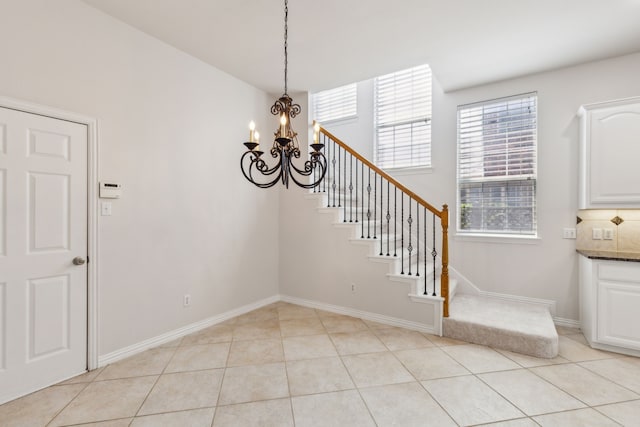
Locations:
{"points": [[410, 236]]}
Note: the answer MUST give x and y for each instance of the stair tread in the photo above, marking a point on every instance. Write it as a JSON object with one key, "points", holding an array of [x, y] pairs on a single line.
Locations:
{"points": [[519, 327]]}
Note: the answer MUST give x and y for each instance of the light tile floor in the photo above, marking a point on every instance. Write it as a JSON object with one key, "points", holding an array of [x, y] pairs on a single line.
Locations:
{"points": [[286, 365]]}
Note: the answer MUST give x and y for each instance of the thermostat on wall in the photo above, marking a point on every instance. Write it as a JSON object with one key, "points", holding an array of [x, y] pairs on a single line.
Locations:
{"points": [[110, 190]]}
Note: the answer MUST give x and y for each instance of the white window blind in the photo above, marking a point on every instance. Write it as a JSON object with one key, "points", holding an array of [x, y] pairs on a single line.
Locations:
{"points": [[402, 109], [336, 104], [497, 155]]}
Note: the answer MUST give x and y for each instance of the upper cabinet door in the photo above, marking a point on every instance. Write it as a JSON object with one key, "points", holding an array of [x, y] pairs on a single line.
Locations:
{"points": [[610, 154]]}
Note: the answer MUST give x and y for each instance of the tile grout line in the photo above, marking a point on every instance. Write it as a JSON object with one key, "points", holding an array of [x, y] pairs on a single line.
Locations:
{"points": [[175, 350]]}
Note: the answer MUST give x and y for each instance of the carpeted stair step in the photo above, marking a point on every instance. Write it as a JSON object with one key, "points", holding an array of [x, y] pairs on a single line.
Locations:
{"points": [[518, 327]]}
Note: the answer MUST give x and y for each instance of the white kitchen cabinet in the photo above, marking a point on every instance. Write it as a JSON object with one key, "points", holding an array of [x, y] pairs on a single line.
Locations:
{"points": [[609, 153], [610, 304]]}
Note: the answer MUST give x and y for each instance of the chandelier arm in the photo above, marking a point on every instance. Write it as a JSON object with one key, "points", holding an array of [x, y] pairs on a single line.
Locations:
{"points": [[263, 168], [317, 161], [254, 165]]}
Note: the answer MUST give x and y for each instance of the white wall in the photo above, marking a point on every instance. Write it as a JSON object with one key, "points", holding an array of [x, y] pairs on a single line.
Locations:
{"points": [[546, 269], [170, 130], [549, 268]]}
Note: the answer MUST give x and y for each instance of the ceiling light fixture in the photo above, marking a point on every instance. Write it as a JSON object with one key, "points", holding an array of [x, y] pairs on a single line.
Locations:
{"points": [[285, 146]]}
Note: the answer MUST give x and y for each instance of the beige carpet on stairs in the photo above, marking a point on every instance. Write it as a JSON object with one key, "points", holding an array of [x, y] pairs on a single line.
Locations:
{"points": [[517, 327]]}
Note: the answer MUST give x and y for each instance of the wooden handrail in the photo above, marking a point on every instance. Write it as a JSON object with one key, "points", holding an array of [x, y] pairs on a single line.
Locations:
{"points": [[443, 215], [379, 171]]}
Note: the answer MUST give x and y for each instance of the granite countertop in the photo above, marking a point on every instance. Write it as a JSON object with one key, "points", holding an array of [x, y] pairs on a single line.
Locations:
{"points": [[610, 255]]}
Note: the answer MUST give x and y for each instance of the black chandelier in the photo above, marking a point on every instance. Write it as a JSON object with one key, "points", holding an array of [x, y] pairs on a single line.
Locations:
{"points": [[285, 145]]}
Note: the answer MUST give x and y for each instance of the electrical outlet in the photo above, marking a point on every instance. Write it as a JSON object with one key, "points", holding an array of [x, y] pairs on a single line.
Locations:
{"points": [[568, 233], [608, 234], [353, 287], [596, 234], [186, 300]]}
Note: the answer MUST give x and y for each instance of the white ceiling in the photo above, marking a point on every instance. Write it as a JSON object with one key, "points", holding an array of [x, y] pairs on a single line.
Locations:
{"points": [[334, 42]]}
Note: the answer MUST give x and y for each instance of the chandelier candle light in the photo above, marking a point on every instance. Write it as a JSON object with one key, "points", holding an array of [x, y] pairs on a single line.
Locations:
{"points": [[285, 145]]}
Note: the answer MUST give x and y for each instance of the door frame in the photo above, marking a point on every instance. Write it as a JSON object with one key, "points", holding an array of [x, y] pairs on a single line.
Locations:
{"points": [[92, 210]]}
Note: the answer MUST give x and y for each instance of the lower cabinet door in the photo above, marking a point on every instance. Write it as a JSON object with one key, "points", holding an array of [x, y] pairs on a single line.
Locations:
{"points": [[619, 314]]}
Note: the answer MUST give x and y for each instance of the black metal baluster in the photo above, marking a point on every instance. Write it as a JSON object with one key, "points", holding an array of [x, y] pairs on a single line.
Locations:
{"points": [[381, 197], [339, 189], [434, 253], [362, 210], [425, 252], [410, 248], [326, 154], [333, 181], [388, 218], [369, 205], [350, 187], [418, 239], [402, 233], [375, 205], [317, 188], [395, 221], [344, 190], [356, 203]]}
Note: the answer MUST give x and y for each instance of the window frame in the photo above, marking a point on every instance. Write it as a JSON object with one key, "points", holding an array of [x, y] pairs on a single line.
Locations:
{"points": [[416, 163], [348, 99], [504, 235]]}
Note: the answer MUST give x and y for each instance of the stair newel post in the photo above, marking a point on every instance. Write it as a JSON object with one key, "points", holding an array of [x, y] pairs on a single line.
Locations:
{"points": [[444, 277]]}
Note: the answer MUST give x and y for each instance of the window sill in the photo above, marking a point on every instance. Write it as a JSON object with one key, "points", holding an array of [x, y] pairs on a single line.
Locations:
{"points": [[498, 238], [409, 171]]}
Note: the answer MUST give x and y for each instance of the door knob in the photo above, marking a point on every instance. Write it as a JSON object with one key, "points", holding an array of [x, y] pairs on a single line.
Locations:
{"points": [[78, 260]]}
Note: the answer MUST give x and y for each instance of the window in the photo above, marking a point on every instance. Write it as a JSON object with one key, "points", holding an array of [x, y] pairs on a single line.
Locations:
{"points": [[497, 166], [336, 104], [402, 115]]}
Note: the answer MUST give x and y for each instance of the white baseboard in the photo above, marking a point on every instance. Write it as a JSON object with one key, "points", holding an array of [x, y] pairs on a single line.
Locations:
{"points": [[567, 323], [366, 315], [128, 351], [466, 287]]}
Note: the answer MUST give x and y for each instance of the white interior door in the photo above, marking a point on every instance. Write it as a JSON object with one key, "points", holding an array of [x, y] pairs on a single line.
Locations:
{"points": [[43, 227]]}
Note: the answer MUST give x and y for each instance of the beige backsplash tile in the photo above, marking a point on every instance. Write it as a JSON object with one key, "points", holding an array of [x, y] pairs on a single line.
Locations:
{"points": [[584, 236], [626, 236], [597, 214], [629, 214], [629, 236]]}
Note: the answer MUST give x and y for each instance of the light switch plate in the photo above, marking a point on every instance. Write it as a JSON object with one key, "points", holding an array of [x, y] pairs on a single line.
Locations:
{"points": [[105, 208], [568, 233]]}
